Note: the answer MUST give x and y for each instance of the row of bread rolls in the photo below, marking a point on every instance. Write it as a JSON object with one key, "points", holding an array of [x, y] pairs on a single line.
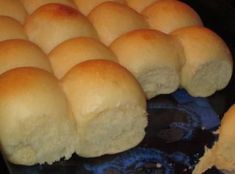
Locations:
{"points": [[44, 119], [101, 102], [221, 155]]}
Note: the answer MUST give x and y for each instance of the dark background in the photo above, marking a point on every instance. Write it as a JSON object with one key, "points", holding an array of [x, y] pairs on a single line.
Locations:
{"points": [[218, 15]]}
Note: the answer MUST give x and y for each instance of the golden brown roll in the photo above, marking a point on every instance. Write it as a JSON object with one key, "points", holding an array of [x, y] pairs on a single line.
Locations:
{"points": [[51, 24], [85, 6], [73, 51], [208, 62], [109, 107], [153, 57], [32, 5], [11, 29], [35, 126], [21, 53], [169, 15], [111, 20], [13, 9], [138, 5]]}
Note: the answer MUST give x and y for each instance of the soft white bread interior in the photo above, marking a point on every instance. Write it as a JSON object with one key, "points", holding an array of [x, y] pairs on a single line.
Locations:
{"points": [[169, 15], [35, 122], [85, 6], [32, 5], [153, 57], [109, 107], [208, 62], [224, 150], [13, 9], [111, 20], [51, 24], [16, 53], [11, 29], [138, 5], [222, 153], [76, 50]]}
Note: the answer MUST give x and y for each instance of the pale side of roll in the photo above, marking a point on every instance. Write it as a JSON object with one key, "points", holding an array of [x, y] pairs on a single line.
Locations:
{"points": [[138, 5], [222, 154], [51, 24], [16, 53], [85, 6], [74, 51], [170, 15], [208, 66], [153, 57], [35, 122], [11, 29], [13, 9], [32, 5], [109, 107], [111, 20]]}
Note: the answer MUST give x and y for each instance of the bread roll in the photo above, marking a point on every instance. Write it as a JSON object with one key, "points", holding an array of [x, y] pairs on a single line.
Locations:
{"points": [[86, 6], [11, 29], [111, 20], [208, 66], [74, 51], [21, 53], [109, 107], [225, 148], [52, 24], [35, 126], [140, 5], [153, 58], [32, 5], [222, 153], [13, 9], [170, 15]]}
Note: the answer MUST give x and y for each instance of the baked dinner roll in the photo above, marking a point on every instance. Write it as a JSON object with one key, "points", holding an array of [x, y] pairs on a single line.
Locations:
{"points": [[109, 107], [111, 20], [153, 58], [32, 5], [169, 15], [140, 5], [11, 29], [35, 126], [74, 51], [208, 66], [222, 153], [13, 9], [86, 6], [51, 24], [225, 147], [21, 53]]}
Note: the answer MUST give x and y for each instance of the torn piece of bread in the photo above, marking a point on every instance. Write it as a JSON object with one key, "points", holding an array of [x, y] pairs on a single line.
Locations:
{"points": [[32, 5], [85, 6], [208, 62], [111, 20], [76, 50], [51, 24], [16, 53], [153, 57], [170, 15], [35, 122], [109, 107], [13, 9], [11, 29]]}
